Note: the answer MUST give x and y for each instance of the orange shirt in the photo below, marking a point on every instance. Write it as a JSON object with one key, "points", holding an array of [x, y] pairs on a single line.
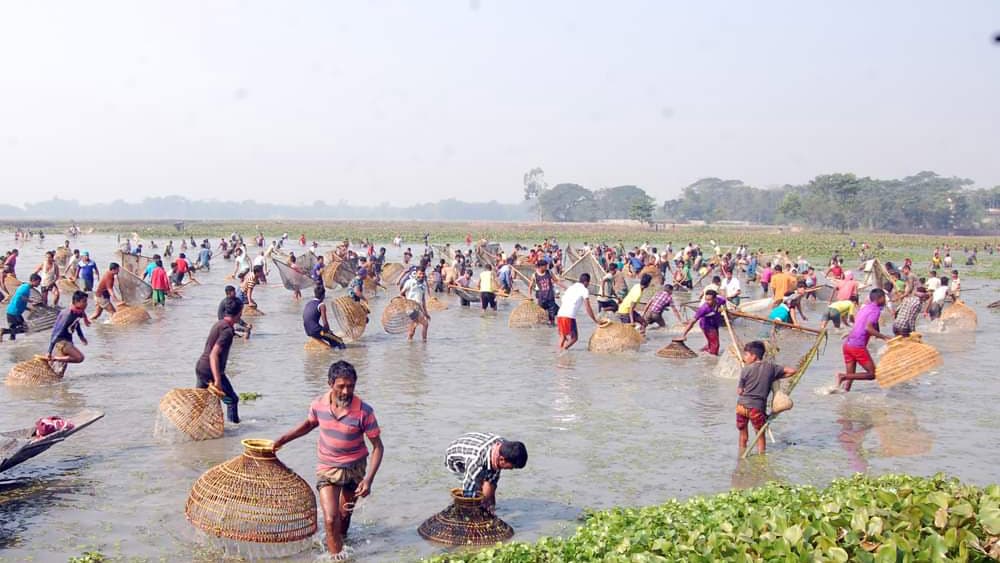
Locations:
{"points": [[782, 283]]}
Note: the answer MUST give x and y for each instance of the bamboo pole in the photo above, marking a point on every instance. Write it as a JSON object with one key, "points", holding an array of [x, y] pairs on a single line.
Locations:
{"points": [[757, 318]]}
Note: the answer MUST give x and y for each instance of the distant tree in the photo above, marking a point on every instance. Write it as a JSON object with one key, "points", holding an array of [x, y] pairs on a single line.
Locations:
{"points": [[616, 203], [568, 202], [534, 186], [642, 209]]}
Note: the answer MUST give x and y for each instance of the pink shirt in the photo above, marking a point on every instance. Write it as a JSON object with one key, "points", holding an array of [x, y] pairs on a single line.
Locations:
{"points": [[342, 440], [845, 289]]}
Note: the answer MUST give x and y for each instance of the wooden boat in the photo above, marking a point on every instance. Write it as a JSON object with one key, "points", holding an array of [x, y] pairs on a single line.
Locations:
{"points": [[18, 446]]}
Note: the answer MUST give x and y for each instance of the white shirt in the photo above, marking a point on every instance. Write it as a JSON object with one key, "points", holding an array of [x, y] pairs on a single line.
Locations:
{"points": [[258, 261], [732, 287], [572, 300], [932, 284], [415, 291], [940, 293]]}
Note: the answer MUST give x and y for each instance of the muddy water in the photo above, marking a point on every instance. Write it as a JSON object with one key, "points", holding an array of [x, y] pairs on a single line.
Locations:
{"points": [[601, 430]]}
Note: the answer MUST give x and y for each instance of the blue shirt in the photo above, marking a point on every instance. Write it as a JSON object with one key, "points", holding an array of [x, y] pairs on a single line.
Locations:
{"points": [[87, 270], [149, 270], [317, 274], [781, 313], [19, 303], [204, 255]]}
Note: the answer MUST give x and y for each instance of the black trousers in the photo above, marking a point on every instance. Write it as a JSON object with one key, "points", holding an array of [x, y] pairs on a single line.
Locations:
{"points": [[488, 299]]}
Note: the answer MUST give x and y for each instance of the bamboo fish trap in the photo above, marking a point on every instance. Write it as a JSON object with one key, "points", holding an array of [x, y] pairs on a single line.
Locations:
{"points": [[351, 316], [67, 287], [676, 350], [527, 315], [615, 337], [189, 414], [391, 272], [253, 505], [435, 305], [398, 314], [36, 371], [251, 311], [128, 315], [465, 522], [905, 358], [959, 316]]}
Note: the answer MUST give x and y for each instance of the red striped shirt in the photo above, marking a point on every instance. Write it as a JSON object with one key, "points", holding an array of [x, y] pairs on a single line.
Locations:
{"points": [[342, 440]]}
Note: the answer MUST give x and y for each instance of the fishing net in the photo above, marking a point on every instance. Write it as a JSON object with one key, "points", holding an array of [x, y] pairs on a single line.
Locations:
{"points": [[676, 350], [615, 337], [756, 305], [876, 276], [586, 264], [337, 273], [189, 414], [904, 359], [465, 522], [524, 271], [129, 315], [959, 316], [62, 256], [133, 288], [253, 505], [351, 316], [435, 305], [134, 263], [528, 314], [398, 314], [470, 295], [36, 371], [291, 279], [306, 261]]}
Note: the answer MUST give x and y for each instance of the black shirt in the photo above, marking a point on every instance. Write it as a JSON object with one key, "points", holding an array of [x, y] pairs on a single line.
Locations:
{"points": [[222, 334]]}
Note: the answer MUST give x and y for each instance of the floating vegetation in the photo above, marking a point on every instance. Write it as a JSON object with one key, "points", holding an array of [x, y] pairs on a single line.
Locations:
{"points": [[249, 396], [872, 519]]}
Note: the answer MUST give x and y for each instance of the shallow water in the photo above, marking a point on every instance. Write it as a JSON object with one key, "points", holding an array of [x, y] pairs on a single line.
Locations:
{"points": [[601, 431]]}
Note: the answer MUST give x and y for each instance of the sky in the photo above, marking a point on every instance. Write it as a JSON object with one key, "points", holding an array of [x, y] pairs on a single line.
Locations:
{"points": [[407, 102]]}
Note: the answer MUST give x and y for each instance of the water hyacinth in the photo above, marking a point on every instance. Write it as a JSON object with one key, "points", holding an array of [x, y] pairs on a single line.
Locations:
{"points": [[868, 519]]}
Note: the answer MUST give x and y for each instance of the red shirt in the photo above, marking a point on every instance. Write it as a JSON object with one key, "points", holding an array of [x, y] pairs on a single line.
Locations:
{"points": [[342, 440], [159, 280], [182, 266]]}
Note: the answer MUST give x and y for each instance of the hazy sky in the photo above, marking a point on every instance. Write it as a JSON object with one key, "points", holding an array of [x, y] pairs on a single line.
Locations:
{"points": [[420, 100]]}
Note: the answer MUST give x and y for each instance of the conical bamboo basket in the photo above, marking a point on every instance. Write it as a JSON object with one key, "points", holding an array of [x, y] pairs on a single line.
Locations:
{"points": [[398, 314], [390, 273], [36, 371], [194, 414], [129, 315], [676, 350], [905, 358], [527, 315], [435, 305], [351, 316], [465, 522], [254, 505], [959, 316], [615, 337]]}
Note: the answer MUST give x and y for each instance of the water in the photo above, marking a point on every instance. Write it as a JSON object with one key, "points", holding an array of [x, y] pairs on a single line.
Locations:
{"points": [[601, 431]]}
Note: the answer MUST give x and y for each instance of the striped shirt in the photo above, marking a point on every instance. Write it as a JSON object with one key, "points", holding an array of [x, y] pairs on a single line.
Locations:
{"points": [[342, 440], [470, 456]]}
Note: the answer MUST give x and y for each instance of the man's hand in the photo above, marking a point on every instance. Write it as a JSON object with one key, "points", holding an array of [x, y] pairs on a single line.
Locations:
{"points": [[364, 488], [84, 340]]}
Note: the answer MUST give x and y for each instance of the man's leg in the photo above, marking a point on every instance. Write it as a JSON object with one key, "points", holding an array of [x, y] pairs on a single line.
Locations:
{"points": [[231, 400], [424, 326], [330, 501]]}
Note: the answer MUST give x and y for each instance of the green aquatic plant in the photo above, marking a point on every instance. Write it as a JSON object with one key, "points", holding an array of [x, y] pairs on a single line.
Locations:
{"points": [[250, 396], [89, 557], [869, 519]]}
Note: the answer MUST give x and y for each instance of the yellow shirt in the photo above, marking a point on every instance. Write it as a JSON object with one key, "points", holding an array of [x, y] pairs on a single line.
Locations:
{"points": [[631, 298], [486, 281], [845, 307]]}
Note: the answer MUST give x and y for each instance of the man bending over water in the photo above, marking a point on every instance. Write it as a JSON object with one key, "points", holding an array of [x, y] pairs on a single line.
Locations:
{"points": [[478, 457]]}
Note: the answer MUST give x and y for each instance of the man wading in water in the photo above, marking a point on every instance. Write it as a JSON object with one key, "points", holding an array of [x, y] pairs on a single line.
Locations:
{"points": [[856, 346], [210, 370], [477, 458], [341, 475]]}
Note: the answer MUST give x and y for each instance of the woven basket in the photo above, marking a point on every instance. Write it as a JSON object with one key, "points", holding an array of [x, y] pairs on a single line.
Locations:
{"points": [[676, 350], [780, 401], [194, 414], [391, 272], [905, 358], [251, 311], [67, 287], [254, 499], [615, 337], [435, 305], [527, 315], [465, 522], [316, 345], [129, 315], [398, 314], [36, 371], [959, 316], [351, 316]]}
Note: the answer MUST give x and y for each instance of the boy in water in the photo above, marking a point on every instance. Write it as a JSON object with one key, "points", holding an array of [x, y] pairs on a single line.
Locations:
{"points": [[855, 347], [19, 303], [342, 474], [755, 385], [61, 348], [105, 292]]}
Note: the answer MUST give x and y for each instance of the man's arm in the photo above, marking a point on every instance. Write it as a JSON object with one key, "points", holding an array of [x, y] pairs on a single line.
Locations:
{"points": [[365, 486], [297, 432], [489, 496], [213, 362]]}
